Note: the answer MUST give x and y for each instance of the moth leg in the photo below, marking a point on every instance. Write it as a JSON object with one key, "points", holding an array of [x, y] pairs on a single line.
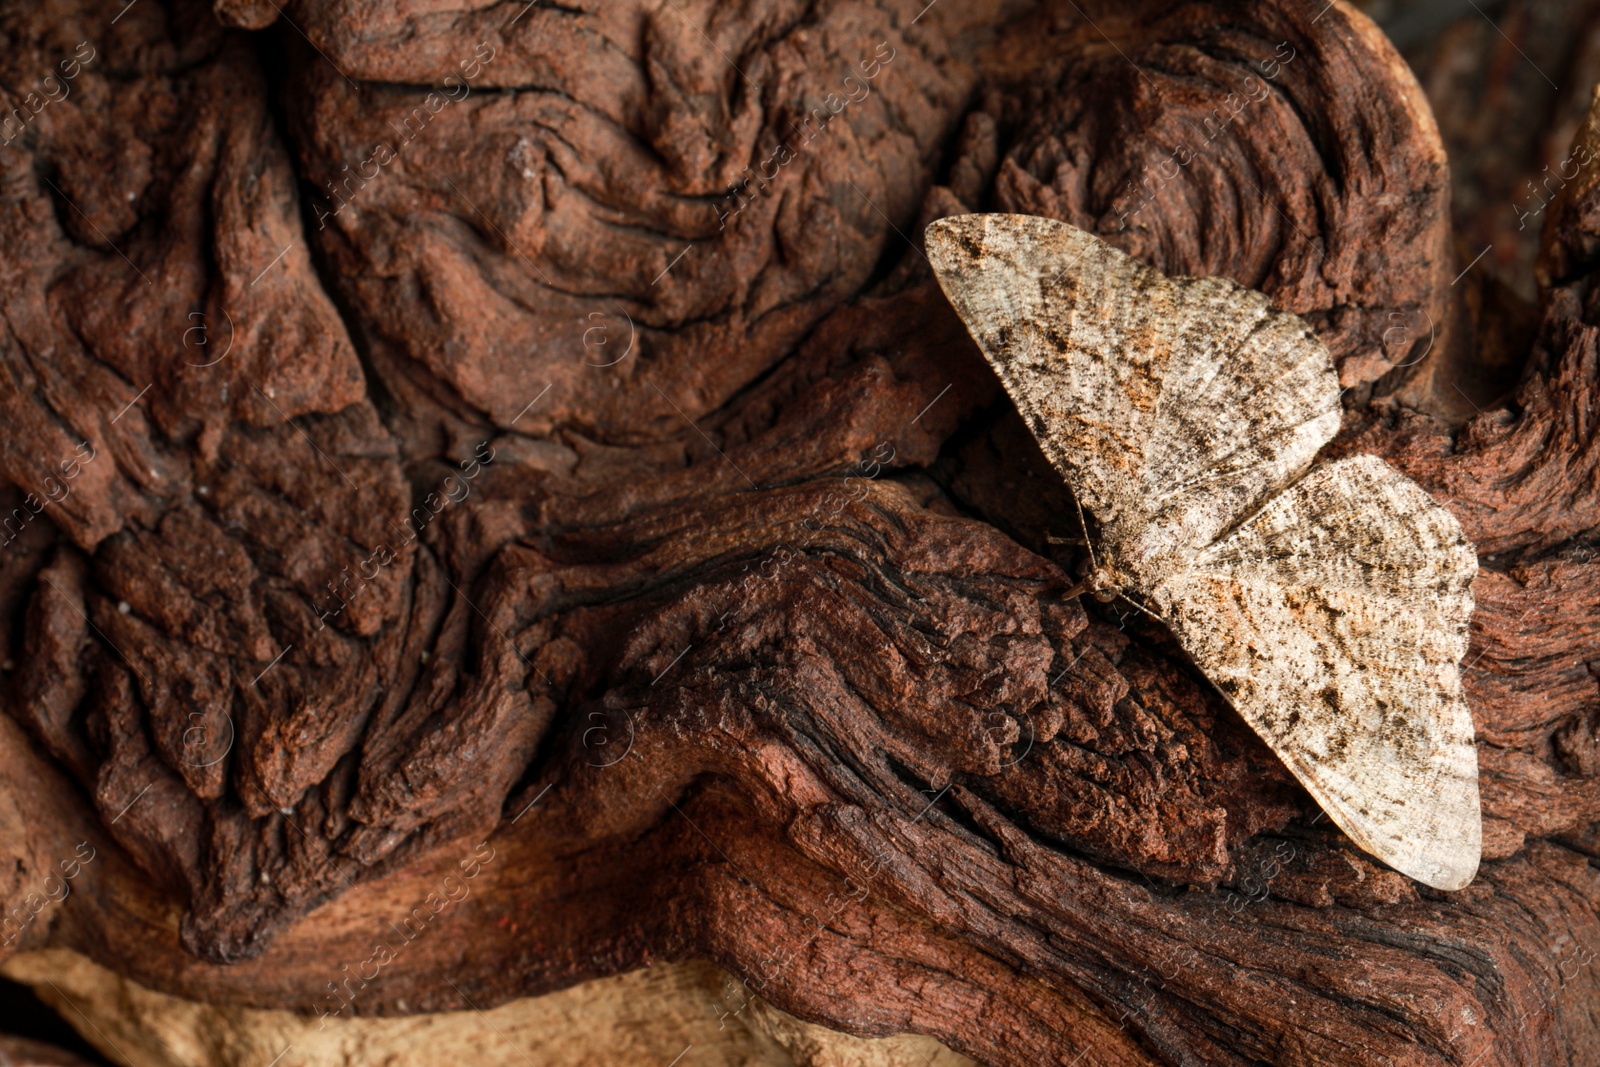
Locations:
{"points": [[1085, 528], [1141, 607]]}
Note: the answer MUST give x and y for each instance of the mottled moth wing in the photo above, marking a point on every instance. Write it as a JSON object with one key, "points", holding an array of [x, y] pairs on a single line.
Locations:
{"points": [[1172, 407], [1334, 620], [1330, 607]]}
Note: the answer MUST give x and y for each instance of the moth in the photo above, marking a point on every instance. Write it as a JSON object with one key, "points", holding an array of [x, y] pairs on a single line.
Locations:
{"points": [[1328, 602]]}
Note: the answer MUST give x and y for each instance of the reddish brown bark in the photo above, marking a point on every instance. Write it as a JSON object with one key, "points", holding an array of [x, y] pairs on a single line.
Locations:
{"points": [[728, 617]]}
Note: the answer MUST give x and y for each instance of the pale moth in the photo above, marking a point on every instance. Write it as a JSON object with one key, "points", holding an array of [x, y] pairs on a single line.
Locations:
{"points": [[1328, 602]]}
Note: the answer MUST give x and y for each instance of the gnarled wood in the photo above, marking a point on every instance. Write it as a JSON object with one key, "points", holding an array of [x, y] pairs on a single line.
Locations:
{"points": [[579, 492]]}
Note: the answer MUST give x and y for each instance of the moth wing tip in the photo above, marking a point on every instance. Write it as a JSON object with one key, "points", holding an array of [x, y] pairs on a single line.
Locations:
{"points": [[944, 239], [1452, 875], [1450, 864]]}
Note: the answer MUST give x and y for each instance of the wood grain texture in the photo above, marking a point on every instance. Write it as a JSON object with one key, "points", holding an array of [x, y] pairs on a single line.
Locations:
{"points": [[873, 769]]}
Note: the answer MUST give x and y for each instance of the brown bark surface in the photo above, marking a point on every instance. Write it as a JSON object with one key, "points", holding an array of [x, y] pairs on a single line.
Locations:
{"points": [[602, 476]]}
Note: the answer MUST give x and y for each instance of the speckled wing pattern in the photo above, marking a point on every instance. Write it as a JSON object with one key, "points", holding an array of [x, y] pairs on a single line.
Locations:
{"points": [[1328, 604], [1335, 619], [1171, 408]]}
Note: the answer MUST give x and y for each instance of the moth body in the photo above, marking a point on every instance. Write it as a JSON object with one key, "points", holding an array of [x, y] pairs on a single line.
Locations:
{"points": [[1327, 602]]}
